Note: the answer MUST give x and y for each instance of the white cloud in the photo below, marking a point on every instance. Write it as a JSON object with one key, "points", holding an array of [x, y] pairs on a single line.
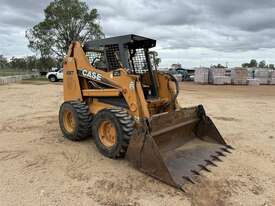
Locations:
{"points": [[197, 32]]}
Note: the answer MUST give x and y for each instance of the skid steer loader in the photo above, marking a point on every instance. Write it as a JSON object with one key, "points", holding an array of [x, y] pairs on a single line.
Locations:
{"points": [[113, 92]]}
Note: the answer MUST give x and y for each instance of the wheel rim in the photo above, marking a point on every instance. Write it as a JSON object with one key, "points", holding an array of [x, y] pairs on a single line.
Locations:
{"points": [[69, 122], [52, 79], [107, 134]]}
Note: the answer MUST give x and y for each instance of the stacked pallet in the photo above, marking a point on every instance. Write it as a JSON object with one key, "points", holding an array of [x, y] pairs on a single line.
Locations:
{"points": [[221, 80], [239, 76], [262, 75], [253, 82], [215, 72], [227, 80], [218, 76], [272, 77], [201, 76]]}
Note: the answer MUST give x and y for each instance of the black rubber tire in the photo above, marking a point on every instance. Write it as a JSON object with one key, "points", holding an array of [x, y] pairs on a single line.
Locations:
{"points": [[124, 126], [82, 117], [52, 78]]}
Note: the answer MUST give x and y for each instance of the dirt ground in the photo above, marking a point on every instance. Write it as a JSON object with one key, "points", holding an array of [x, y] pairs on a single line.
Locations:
{"points": [[39, 167]]}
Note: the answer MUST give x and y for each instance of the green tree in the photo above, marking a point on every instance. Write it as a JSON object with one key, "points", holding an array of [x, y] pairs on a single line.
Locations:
{"points": [[46, 63], [31, 62], [262, 64], [218, 66], [156, 58], [18, 63], [65, 21], [253, 63], [271, 66], [245, 65]]}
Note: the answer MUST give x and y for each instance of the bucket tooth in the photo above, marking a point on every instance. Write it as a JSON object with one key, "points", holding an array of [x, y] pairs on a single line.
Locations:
{"points": [[188, 179], [216, 158], [230, 147], [211, 163], [220, 153], [195, 172], [226, 150], [181, 188], [204, 168]]}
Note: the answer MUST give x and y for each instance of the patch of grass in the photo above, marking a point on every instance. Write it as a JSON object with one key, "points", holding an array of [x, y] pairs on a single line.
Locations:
{"points": [[43, 78], [36, 81]]}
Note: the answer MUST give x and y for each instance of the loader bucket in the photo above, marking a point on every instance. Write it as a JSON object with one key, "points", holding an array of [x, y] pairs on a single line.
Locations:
{"points": [[177, 145]]}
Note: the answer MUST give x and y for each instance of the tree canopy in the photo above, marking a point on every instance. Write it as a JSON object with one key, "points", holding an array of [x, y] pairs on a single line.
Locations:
{"points": [[65, 21], [156, 58], [255, 64], [262, 64], [218, 66], [28, 63]]}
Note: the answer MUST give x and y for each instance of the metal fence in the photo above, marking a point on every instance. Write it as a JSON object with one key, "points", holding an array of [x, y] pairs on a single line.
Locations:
{"points": [[13, 79]]}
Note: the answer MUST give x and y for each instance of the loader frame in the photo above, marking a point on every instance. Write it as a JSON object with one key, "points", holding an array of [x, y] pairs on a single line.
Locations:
{"points": [[134, 110]]}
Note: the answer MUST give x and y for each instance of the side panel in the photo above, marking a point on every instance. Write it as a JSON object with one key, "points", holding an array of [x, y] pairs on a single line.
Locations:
{"points": [[167, 89], [72, 90], [95, 106], [101, 92]]}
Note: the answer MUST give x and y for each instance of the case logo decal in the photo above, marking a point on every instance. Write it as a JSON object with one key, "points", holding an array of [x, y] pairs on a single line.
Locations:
{"points": [[91, 75]]}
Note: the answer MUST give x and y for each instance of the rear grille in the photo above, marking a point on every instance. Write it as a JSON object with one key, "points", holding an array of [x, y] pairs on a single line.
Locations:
{"points": [[138, 62], [113, 56]]}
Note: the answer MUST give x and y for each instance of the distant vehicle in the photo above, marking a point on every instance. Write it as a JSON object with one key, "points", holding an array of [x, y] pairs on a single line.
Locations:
{"points": [[184, 73], [54, 69], [55, 75]]}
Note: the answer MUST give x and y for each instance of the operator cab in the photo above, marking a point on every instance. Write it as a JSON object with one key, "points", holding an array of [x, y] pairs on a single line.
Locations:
{"points": [[130, 52]]}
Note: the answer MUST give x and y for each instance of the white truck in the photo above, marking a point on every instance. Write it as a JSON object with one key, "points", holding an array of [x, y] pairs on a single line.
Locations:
{"points": [[55, 76]]}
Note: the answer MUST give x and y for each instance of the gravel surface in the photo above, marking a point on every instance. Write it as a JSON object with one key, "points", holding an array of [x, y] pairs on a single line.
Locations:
{"points": [[39, 167]]}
